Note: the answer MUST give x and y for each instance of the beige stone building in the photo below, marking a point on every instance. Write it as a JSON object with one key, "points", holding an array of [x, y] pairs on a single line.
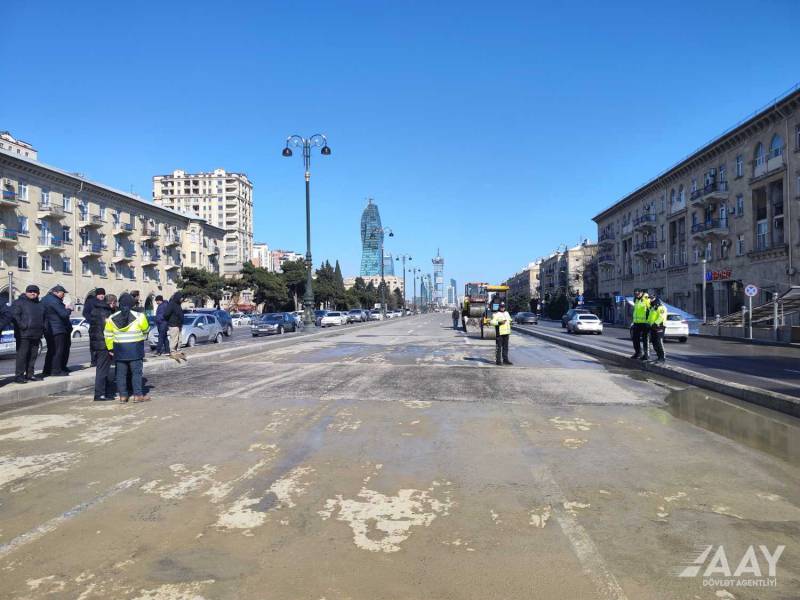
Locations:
{"points": [[526, 282], [729, 209], [223, 199], [571, 272], [60, 228], [12, 145]]}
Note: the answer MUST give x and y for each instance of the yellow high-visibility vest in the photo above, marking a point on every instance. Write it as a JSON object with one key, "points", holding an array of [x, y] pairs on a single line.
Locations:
{"points": [[503, 320]]}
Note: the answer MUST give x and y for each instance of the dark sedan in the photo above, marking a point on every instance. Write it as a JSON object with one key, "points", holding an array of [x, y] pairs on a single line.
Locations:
{"points": [[273, 323], [526, 318]]}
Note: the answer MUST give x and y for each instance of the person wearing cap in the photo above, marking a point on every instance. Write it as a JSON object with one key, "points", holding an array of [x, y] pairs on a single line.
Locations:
{"points": [[28, 314], [57, 333], [124, 333], [161, 324], [641, 328], [501, 321], [656, 320]]}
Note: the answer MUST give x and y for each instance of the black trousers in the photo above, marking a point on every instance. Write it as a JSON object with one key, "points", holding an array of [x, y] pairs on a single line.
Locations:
{"points": [[26, 357], [657, 337], [501, 349], [641, 333], [55, 358], [67, 350], [163, 339], [103, 379]]}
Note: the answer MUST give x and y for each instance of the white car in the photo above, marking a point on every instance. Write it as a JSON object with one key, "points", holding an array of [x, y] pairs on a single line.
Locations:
{"points": [[676, 328], [375, 315], [80, 327], [583, 323], [333, 318]]}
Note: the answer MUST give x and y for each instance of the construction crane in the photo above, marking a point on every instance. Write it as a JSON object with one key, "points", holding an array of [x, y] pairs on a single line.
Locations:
{"points": [[481, 300]]}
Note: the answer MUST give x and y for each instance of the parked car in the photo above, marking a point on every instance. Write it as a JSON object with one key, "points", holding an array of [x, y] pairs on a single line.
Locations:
{"points": [[318, 314], [375, 315], [585, 323], [526, 318], [357, 315], [197, 327], [276, 323], [8, 344], [240, 319], [567, 316], [223, 317], [80, 327], [333, 317], [676, 328]]}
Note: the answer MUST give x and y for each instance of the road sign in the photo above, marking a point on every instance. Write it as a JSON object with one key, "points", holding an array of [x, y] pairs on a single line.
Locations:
{"points": [[750, 290]]}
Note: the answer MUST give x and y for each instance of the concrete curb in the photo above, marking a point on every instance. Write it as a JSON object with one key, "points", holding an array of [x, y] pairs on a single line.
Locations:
{"points": [[776, 401], [80, 380]]}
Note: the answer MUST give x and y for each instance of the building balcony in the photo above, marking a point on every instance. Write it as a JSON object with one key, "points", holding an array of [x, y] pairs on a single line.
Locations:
{"points": [[8, 237], [149, 233], [8, 198], [212, 250], [122, 256], [90, 221], [90, 250], [150, 258], [717, 190], [123, 229], [627, 229], [645, 248], [607, 239], [606, 259], [713, 227], [172, 263], [50, 211], [172, 240], [49, 244], [766, 166], [645, 222]]}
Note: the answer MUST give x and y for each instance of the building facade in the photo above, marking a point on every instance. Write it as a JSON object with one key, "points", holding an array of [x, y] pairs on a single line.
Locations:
{"points": [[262, 256], [571, 272], [60, 228], [392, 282], [10, 144], [371, 240], [223, 199], [278, 257], [438, 278], [526, 282], [726, 215]]}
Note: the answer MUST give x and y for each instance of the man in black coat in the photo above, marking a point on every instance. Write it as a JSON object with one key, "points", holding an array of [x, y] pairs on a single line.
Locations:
{"points": [[57, 333], [173, 315], [103, 380], [28, 314], [98, 295]]}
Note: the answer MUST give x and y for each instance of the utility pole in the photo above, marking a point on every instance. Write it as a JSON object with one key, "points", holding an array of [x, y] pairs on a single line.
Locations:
{"points": [[404, 257]]}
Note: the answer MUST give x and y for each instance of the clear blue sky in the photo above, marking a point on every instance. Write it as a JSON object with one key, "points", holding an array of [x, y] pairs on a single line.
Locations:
{"points": [[493, 131]]}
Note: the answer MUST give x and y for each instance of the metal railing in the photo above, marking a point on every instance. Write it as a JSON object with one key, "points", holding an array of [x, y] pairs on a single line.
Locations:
{"points": [[710, 225], [716, 186], [8, 234], [648, 218], [648, 245], [53, 242]]}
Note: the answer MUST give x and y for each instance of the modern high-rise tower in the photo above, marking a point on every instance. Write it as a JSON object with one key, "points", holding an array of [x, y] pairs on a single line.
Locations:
{"points": [[388, 263], [371, 240], [438, 279]]}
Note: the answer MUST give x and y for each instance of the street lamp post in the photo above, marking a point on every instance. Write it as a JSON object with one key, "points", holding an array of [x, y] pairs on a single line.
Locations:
{"points": [[414, 272], [381, 231], [404, 257], [320, 141]]}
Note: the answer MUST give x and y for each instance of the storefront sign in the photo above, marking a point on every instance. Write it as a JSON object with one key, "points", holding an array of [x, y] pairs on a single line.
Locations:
{"points": [[719, 275]]}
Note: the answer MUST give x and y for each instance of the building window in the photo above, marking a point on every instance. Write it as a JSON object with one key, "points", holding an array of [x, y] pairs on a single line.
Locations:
{"points": [[739, 205], [759, 155], [67, 203], [22, 225], [46, 266], [23, 189], [83, 209], [695, 255], [723, 173], [115, 217], [67, 265], [694, 184], [740, 245], [45, 196], [709, 254], [776, 146], [85, 267], [681, 196], [67, 234], [83, 233], [22, 261], [762, 231], [739, 165], [102, 213]]}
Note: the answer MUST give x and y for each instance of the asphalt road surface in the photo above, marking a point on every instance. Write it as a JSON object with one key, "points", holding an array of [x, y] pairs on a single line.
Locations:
{"points": [[395, 462], [775, 368]]}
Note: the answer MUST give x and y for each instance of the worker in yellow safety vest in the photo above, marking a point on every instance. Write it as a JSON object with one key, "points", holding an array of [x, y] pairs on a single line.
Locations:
{"points": [[640, 328], [501, 321], [124, 333], [657, 319]]}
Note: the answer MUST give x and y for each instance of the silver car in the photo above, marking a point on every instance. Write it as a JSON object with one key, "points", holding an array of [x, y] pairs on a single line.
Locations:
{"points": [[197, 327]]}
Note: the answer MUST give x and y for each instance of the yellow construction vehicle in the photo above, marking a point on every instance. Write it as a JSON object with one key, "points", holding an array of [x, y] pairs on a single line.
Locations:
{"points": [[480, 301]]}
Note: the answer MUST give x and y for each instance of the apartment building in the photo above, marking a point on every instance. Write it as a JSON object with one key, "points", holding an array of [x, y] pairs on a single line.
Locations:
{"points": [[12, 145], [526, 281], [262, 255], [278, 257], [61, 228], [726, 214], [571, 272], [221, 198]]}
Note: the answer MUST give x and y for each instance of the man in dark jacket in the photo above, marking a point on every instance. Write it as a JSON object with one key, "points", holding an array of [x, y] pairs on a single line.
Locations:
{"points": [[98, 295], [103, 380], [161, 324], [57, 333], [173, 315], [28, 315]]}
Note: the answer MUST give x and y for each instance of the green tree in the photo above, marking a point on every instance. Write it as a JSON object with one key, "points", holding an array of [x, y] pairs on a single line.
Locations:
{"points": [[324, 285], [339, 298], [268, 288], [558, 306], [397, 297], [201, 285], [294, 276], [519, 302]]}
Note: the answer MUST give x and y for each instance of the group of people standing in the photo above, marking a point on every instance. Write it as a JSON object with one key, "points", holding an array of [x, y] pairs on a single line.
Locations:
{"points": [[649, 323], [118, 328]]}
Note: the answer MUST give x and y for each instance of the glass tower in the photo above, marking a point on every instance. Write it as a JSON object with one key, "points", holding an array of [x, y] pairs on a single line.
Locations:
{"points": [[388, 264], [371, 240]]}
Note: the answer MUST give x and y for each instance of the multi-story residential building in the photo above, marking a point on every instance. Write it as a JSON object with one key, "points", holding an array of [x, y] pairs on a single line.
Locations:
{"points": [[278, 257], [60, 228], [14, 146], [570, 272], [526, 282], [221, 198], [727, 210], [262, 256]]}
